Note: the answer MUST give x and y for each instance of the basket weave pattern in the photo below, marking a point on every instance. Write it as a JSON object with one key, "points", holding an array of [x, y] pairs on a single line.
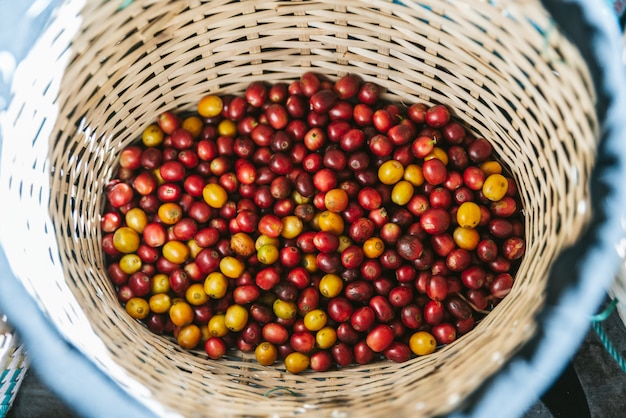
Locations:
{"points": [[504, 68]]}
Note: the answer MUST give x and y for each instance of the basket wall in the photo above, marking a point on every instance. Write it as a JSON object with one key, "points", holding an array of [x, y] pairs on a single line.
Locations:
{"points": [[503, 66]]}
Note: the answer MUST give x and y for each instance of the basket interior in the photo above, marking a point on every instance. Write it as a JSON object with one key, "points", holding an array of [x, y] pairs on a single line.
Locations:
{"points": [[504, 68]]}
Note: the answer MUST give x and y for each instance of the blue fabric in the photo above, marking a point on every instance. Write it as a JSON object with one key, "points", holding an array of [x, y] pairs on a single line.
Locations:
{"points": [[577, 287], [20, 25]]}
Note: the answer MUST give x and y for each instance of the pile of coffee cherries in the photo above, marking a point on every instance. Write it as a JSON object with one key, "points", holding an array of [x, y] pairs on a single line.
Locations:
{"points": [[311, 223]]}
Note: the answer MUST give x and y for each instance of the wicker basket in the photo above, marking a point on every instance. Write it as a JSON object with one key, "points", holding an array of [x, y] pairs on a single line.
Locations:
{"points": [[504, 66]]}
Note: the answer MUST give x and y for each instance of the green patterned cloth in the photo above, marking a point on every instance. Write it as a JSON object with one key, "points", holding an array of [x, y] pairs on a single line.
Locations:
{"points": [[13, 367]]}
